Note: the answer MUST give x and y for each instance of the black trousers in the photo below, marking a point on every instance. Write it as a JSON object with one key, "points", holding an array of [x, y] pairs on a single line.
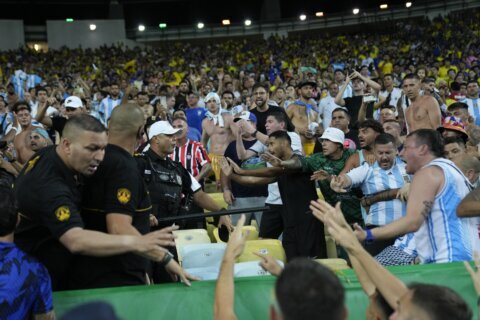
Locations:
{"points": [[271, 226]]}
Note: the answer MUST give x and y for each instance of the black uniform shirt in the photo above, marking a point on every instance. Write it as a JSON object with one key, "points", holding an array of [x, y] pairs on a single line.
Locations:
{"points": [[48, 197], [116, 187]]}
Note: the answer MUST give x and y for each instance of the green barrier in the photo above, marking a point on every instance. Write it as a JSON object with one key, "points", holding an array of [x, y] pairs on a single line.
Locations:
{"points": [[252, 295]]}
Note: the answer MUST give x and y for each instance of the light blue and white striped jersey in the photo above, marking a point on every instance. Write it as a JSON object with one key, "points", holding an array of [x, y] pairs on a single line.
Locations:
{"points": [[406, 243], [473, 108], [444, 237], [33, 80], [18, 86], [106, 108], [6, 121], [374, 179]]}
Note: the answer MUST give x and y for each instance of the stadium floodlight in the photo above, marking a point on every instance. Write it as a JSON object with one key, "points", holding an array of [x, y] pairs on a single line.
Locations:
{"points": [[248, 22], [36, 47], [303, 17], [69, 20], [319, 14], [93, 27], [141, 28], [162, 25], [408, 4], [384, 6], [226, 22], [200, 25], [356, 11]]}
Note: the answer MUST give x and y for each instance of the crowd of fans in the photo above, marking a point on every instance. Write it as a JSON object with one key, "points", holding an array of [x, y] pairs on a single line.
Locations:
{"points": [[386, 124]]}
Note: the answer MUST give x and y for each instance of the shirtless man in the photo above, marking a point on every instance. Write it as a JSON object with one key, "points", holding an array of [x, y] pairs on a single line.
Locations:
{"points": [[22, 140], [424, 112], [302, 114], [219, 128]]}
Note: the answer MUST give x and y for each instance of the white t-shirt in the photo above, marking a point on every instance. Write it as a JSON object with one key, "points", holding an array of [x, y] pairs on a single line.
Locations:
{"points": [[326, 106]]}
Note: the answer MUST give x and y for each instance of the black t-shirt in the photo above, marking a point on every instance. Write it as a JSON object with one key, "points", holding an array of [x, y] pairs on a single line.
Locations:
{"points": [[297, 190], [48, 196], [353, 105], [238, 190], [262, 118], [58, 123], [116, 187]]}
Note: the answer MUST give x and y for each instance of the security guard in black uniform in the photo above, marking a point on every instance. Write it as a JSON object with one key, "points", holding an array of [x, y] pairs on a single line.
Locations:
{"points": [[48, 192], [172, 188], [116, 200]]}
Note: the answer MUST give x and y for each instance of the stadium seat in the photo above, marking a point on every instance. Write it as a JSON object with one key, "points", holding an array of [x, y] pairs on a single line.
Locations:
{"points": [[250, 269], [202, 255], [334, 264], [267, 246], [218, 197], [252, 233], [208, 273], [187, 237]]}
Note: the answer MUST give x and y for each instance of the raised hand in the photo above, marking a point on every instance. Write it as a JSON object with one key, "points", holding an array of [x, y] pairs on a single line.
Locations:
{"points": [[320, 175], [269, 264], [337, 184], [274, 161]]}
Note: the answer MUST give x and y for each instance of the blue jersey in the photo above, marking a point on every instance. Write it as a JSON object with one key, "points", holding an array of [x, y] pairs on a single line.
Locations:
{"points": [[195, 117], [25, 286]]}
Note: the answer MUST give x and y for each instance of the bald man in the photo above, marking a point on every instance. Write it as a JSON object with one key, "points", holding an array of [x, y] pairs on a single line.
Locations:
{"points": [[115, 200]]}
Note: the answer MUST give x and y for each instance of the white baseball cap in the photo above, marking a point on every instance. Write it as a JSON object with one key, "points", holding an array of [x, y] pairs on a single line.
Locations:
{"points": [[73, 102], [161, 127], [334, 135]]}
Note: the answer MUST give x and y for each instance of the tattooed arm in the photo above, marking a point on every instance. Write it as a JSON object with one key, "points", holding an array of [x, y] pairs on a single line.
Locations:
{"points": [[427, 182]]}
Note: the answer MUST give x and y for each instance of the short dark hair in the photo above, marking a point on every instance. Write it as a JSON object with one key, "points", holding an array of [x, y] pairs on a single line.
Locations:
{"points": [[458, 140], [142, 93], [228, 92], [431, 138], [281, 116], [308, 290], [373, 124], [472, 81], [458, 105], [388, 75], [342, 110], [384, 138], [38, 89], [8, 211], [282, 135], [21, 105], [85, 122], [259, 85], [439, 302], [411, 76]]}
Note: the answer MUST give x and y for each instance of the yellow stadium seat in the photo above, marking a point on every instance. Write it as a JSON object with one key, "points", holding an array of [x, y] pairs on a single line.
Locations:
{"points": [[218, 197], [267, 246], [252, 233], [334, 264], [192, 236]]}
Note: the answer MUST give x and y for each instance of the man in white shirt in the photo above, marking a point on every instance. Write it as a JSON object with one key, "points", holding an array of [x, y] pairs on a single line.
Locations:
{"points": [[327, 105]]}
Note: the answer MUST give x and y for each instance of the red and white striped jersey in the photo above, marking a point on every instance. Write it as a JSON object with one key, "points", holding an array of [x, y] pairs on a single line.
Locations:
{"points": [[192, 155]]}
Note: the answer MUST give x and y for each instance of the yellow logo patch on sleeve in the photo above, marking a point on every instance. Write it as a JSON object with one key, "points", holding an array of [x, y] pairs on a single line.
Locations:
{"points": [[31, 164], [123, 195], [62, 213]]}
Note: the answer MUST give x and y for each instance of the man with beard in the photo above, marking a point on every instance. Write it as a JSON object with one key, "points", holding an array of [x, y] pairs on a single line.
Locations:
{"points": [[181, 97], [109, 103], [21, 141], [227, 100], [218, 129], [387, 173], [368, 131], [143, 102], [327, 105], [424, 112], [39, 139], [262, 110], [302, 114]]}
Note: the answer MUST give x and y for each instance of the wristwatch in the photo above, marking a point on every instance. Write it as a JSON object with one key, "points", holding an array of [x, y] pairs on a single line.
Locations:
{"points": [[166, 259]]}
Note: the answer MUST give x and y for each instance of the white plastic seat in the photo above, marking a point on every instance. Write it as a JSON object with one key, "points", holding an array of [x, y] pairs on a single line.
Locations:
{"points": [[208, 273], [250, 269], [188, 237], [202, 255]]}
